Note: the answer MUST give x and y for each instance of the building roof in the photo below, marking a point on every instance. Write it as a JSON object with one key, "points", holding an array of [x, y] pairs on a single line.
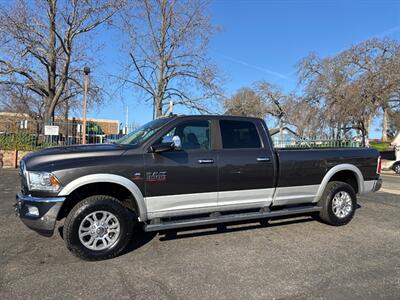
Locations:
{"points": [[274, 131]]}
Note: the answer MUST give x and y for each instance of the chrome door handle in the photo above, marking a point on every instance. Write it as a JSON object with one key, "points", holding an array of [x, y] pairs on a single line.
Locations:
{"points": [[263, 159], [205, 161]]}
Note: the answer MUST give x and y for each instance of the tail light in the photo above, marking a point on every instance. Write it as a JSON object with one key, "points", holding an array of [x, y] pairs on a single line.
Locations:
{"points": [[379, 166]]}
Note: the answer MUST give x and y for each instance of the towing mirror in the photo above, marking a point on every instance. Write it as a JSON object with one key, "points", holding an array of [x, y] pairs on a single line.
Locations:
{"points": [[168, 143]]}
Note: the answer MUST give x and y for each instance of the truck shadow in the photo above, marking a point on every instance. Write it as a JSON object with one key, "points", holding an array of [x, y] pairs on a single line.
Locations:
{"points": [[234, 227], [140, 237], [229, 228]]}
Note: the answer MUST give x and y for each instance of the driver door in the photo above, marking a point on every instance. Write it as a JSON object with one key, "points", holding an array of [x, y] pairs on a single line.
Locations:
{"points": [[181, 182]]}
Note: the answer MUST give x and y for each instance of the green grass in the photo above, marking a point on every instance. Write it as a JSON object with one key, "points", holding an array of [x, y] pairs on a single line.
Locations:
{"points": [[379, 146]]}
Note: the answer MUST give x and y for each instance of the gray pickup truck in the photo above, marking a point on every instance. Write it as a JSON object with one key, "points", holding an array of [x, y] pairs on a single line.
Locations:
{"points": [[185, 171]]}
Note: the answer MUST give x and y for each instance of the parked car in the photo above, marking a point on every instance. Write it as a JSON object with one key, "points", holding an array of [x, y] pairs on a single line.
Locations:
{"points": [[396, 164], [183, 171]]}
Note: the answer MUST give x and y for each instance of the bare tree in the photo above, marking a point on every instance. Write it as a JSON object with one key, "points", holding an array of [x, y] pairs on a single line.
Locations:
{"points": [[353, 86], [41, 46], [245, 102], [376, 62], [305, 117], [328, 85], [274, 99], [169, 39]]}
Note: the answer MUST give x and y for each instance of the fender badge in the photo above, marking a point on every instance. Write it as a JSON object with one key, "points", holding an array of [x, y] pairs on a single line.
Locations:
{"points": [[156, 176]]}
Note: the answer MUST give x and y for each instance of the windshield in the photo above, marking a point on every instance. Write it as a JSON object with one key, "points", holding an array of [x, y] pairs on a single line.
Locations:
{"points": [[143, 133]]}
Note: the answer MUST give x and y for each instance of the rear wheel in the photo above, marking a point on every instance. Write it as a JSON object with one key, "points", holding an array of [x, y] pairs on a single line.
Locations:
{"points": [[99, 227], [396, 168], [338, 203]]}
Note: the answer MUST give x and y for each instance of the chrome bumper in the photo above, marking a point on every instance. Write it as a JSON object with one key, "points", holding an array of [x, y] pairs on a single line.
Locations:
{"points": [[39, 214]]}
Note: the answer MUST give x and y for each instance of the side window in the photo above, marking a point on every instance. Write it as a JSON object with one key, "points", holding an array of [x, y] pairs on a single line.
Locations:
{"points": [[239, 134], [193, 135]]}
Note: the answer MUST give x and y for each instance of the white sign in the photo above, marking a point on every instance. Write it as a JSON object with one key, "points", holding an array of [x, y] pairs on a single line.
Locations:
{"points": [[51, 130]]}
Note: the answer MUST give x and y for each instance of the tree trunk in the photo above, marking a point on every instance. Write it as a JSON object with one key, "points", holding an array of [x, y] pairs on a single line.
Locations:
{"points": [[158, 107], [50, 107], [66, 123], [385, 124], [363, 136]]}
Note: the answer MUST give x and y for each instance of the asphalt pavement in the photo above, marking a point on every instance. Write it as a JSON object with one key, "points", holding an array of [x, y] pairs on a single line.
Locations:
{"points": [[296, 258]]}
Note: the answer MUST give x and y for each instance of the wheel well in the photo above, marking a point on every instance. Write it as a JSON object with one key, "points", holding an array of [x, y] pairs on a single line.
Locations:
{"points": [[348, 177], [99, 188]]}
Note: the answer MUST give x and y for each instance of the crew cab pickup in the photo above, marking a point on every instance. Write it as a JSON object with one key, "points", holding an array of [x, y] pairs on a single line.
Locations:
{"points": [[185, 171]]}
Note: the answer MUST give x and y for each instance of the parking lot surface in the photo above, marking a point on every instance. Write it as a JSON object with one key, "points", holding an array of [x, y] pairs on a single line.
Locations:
{"points": [[294, 258]]}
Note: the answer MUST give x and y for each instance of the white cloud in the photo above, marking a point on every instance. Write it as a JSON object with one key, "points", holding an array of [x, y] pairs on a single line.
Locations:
{"points": [[389, 31], [261, 69]]}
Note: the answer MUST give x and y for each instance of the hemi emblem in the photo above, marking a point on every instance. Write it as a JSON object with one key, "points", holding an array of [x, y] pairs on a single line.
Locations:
{"points": [[156, 176]]}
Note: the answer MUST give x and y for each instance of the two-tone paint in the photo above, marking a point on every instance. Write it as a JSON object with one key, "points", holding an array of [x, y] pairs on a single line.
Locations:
{"points": [[180, 183]]}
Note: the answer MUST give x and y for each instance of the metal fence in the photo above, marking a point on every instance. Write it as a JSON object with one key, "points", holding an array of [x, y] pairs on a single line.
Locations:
{"points": [[30, 136], [315, 143]]}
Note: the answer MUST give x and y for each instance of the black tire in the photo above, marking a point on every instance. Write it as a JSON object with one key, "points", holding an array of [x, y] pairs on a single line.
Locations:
{"points": [[86, 207], [327, 214], [396, 168]]}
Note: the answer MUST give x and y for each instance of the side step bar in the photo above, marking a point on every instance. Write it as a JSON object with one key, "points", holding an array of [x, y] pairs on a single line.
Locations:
{"points": [[216, 218]]}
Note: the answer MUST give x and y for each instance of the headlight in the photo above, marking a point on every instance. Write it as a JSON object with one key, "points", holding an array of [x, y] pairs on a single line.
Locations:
{"points": [[43, 181]]}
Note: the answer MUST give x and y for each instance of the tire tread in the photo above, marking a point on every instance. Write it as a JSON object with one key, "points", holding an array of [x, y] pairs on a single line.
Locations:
{"points": [[68, 233], [325, 202]]}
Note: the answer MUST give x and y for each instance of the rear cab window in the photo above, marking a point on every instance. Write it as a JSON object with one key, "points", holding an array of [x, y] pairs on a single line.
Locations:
{"points": [[239, 135]]}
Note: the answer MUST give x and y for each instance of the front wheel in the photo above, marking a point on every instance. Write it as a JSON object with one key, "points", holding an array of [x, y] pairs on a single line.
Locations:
{"points": [[99, 227], [338, 203]]}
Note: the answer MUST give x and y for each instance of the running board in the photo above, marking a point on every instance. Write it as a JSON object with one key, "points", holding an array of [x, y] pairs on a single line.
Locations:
{"points": [[216, 218]]}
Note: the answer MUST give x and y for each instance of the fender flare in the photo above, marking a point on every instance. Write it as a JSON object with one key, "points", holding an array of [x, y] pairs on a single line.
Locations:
{"points": [[336, 169], [111, 178]]}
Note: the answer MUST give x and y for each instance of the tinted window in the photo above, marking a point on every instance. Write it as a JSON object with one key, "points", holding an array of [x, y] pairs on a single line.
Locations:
{"points": [[193, 134], [239, 134], [143, 133]]}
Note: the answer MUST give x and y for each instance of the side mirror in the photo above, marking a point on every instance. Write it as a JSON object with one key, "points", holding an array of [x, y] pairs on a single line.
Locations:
{"points": [[168, 143], [177, 143]]}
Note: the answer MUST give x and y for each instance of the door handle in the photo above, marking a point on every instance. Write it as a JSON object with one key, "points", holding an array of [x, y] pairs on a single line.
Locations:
{"points": [[263, 159], [205, 161]]}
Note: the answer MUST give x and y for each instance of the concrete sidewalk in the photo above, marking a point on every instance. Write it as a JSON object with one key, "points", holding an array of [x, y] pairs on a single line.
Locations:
{"points": [[391, 183]]}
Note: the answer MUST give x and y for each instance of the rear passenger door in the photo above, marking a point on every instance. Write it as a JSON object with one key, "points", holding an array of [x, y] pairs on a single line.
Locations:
{"points": [[246, 169]]}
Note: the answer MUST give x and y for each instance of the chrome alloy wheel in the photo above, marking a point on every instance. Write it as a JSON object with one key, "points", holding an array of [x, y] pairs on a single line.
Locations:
{"points": [[342, 204], [99, 230]]}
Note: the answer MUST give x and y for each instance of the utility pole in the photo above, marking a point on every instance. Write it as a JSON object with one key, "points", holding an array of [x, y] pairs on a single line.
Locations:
{"points": [[126, 119], [86, 71], [171, 107]]}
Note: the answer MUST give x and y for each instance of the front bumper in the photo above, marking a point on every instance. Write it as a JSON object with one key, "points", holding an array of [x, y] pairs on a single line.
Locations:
{"points": [[39, 214]]}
